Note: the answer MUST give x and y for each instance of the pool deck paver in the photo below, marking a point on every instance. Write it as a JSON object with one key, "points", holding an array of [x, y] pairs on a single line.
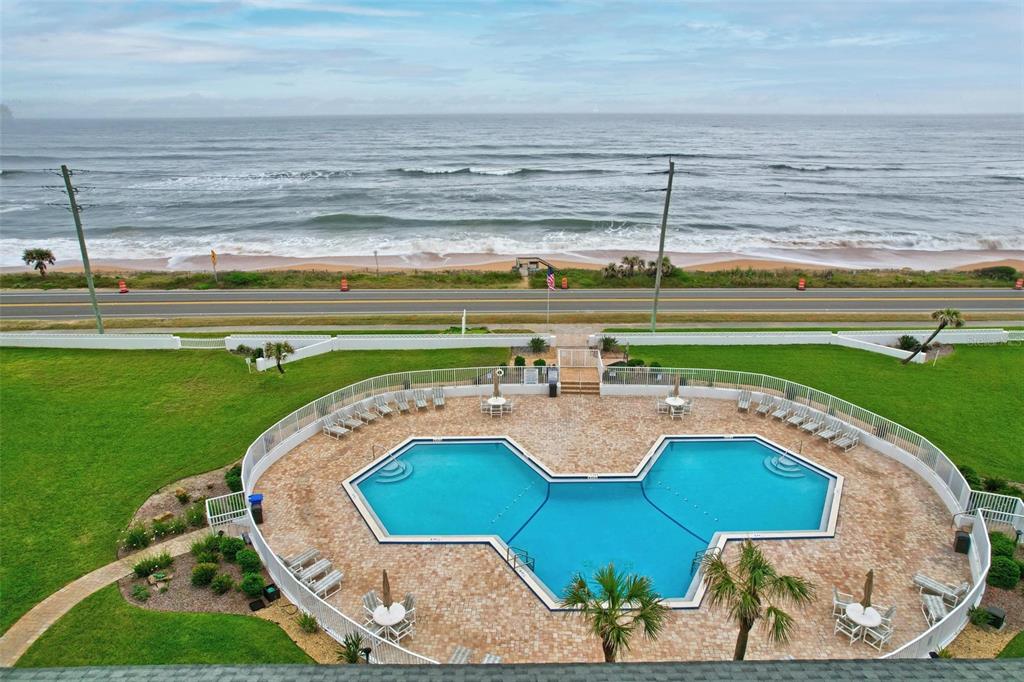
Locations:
{"points": [[889, 520]]}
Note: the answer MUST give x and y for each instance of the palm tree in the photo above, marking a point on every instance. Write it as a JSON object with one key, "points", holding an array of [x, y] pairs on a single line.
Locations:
{"points": [[945, 317], [630, 264], [610, 271], [41, 258], [752, 590], [278, 350], [666, 267], [622, 605]]}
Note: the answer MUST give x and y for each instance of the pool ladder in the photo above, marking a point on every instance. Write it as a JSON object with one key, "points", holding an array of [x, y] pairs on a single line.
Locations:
{"points": [[698, 558], [517, 557]]}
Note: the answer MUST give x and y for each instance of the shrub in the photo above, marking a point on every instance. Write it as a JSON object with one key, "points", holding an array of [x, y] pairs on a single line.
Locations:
{"points": [[635, 362], [161, 529], [351, 648], [243, 278], [177, 526], [140, 593], [233, 478], [655, 365], [971, 476], [993, 485], [538, 345], [1003, 272], [209, 544], [195, 514], [1005, 573], [979, 616], [1002, 545], [248, 560], [229, 547], [908, 342], [182, 495], [252, 584], [203, 574], [205, 557], [222, 583], [308, 623], [136, 537], [150, 565], [609, 344], [520, 361], [540, 362]]}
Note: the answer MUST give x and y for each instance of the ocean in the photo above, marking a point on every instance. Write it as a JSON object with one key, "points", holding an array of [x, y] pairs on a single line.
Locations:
{"points": [[514, 184]]}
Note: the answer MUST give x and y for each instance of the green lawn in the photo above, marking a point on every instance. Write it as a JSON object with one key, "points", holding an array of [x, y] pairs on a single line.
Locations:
{"points": [[87, 436], [1015, 647], [968, 404], [106, 630]]}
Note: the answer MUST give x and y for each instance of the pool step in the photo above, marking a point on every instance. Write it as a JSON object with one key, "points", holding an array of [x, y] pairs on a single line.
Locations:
{"points": [[394, 471], [780, 465]]}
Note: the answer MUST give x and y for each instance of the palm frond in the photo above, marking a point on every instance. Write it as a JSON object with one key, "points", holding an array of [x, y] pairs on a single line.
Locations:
{"points": [[778, 624]]}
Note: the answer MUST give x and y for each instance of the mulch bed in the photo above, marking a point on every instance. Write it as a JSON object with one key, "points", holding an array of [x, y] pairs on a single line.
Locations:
{"points": [[977, 642], [182, 596]]}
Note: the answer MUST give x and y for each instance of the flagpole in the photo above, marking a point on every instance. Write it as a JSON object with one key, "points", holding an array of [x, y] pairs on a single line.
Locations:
{"points": [[548, 319]]}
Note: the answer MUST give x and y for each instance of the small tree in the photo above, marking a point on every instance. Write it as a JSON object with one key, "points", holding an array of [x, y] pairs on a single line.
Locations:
{"points": [[945, 317], [538, 344], [38, 259], [752, 590], [622, 605], [278, 350], [351, 648], [609, 344]]}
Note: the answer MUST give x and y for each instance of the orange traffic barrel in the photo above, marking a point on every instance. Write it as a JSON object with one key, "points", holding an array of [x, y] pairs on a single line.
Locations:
{"points": [[801, 285], [565, 282], [344, 284], [1019, 285], [122, 287]]}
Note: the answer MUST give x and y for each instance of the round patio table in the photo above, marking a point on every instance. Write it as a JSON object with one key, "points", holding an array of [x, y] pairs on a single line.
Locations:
{"points": [[676, 401], [388, 615], [866, 617], [496, 401]]}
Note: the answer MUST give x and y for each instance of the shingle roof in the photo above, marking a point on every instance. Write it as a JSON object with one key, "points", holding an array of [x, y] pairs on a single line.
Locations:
{"points": [[1003, 670]]}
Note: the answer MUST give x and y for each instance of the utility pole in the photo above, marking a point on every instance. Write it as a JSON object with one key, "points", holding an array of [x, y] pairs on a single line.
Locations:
{"points": [[661, 246], [76, 212]]}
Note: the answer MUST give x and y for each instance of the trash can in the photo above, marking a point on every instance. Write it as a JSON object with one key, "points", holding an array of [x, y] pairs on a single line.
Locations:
{"points": [[962, 543], [256, 506], [552, 382]]}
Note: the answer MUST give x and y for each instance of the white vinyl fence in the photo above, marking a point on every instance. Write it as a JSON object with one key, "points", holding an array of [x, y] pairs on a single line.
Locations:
{"points": [[188, 342], [99, 341], [881, 434]]}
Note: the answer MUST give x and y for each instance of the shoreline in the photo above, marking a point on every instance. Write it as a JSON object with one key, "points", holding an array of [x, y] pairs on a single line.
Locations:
{"points": [[802, 259]]}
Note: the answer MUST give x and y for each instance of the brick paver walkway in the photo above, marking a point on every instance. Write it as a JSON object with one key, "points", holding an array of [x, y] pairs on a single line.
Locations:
{"points": [[29, 627]]}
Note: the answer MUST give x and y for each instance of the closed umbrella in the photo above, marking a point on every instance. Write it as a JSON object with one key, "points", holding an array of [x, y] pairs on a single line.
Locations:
{"points": [[675, 385], [497, 378], [869, 586], [386, 590]]}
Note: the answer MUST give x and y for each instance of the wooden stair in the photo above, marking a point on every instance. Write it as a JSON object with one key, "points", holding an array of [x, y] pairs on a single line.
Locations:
{"points": [[581, 388]]}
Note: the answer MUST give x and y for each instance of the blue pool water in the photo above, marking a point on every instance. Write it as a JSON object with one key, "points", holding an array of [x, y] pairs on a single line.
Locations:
{"points": [[652, 525]]}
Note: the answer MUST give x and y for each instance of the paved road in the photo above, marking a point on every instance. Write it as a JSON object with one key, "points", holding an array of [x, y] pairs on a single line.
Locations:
{"points": [[184, 303]]}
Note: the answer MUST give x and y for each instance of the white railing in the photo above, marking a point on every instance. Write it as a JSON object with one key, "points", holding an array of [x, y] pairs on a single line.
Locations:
{"points": [[1001, 509], [1015, 335], [187, 342], [881, 434], [98, 341], [225, 509], [579, 357]]}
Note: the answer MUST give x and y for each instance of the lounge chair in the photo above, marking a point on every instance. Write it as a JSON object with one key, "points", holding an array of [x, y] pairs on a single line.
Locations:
{"points": [[460, 655], [380, 403], [785, 407], [402, 400], [766, 405], [799, 416], [933, 608], [304, 558], [438, 397], [491, 658], [420, 398], [812, 425], [310, 574], [346, 418], [831, 429], [840, 600], [743, 401], [328, 585], [333, 428], [847, 440], [950, 594], [364, 412], [847, 627]]}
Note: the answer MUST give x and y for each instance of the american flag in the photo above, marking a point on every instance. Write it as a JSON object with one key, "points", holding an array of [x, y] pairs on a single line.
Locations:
{"points": [[551, 278]]}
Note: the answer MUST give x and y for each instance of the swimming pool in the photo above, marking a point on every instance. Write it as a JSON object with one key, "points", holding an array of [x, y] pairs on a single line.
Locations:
{"points": [[688, 493]]}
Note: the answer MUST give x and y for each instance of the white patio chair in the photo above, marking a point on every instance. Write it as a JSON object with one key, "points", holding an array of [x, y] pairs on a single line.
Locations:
{"points": [[370, 602], [840, 600], [743, 401], [847, 627], [409, 602], [437, 397], [933, 608], [950, 594], [460, 655], [420, 398], [660, 406]]}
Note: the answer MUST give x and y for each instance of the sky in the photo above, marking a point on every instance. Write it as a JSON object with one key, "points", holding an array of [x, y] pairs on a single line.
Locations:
{"points": [[165, 58]]}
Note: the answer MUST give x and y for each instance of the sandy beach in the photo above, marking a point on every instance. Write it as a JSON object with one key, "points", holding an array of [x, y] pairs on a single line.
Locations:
{"points": [[853, 259]]}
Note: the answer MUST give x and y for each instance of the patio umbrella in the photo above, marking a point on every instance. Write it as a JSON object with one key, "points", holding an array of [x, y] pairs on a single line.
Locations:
{"points": [[675, 385], [497, 378], [386, 590], [869, 586]]}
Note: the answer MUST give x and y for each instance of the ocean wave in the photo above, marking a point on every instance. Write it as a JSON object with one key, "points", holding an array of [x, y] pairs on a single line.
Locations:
{"points": [[1008, 178], [342, 221], [829, 168], [475, 170]]}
